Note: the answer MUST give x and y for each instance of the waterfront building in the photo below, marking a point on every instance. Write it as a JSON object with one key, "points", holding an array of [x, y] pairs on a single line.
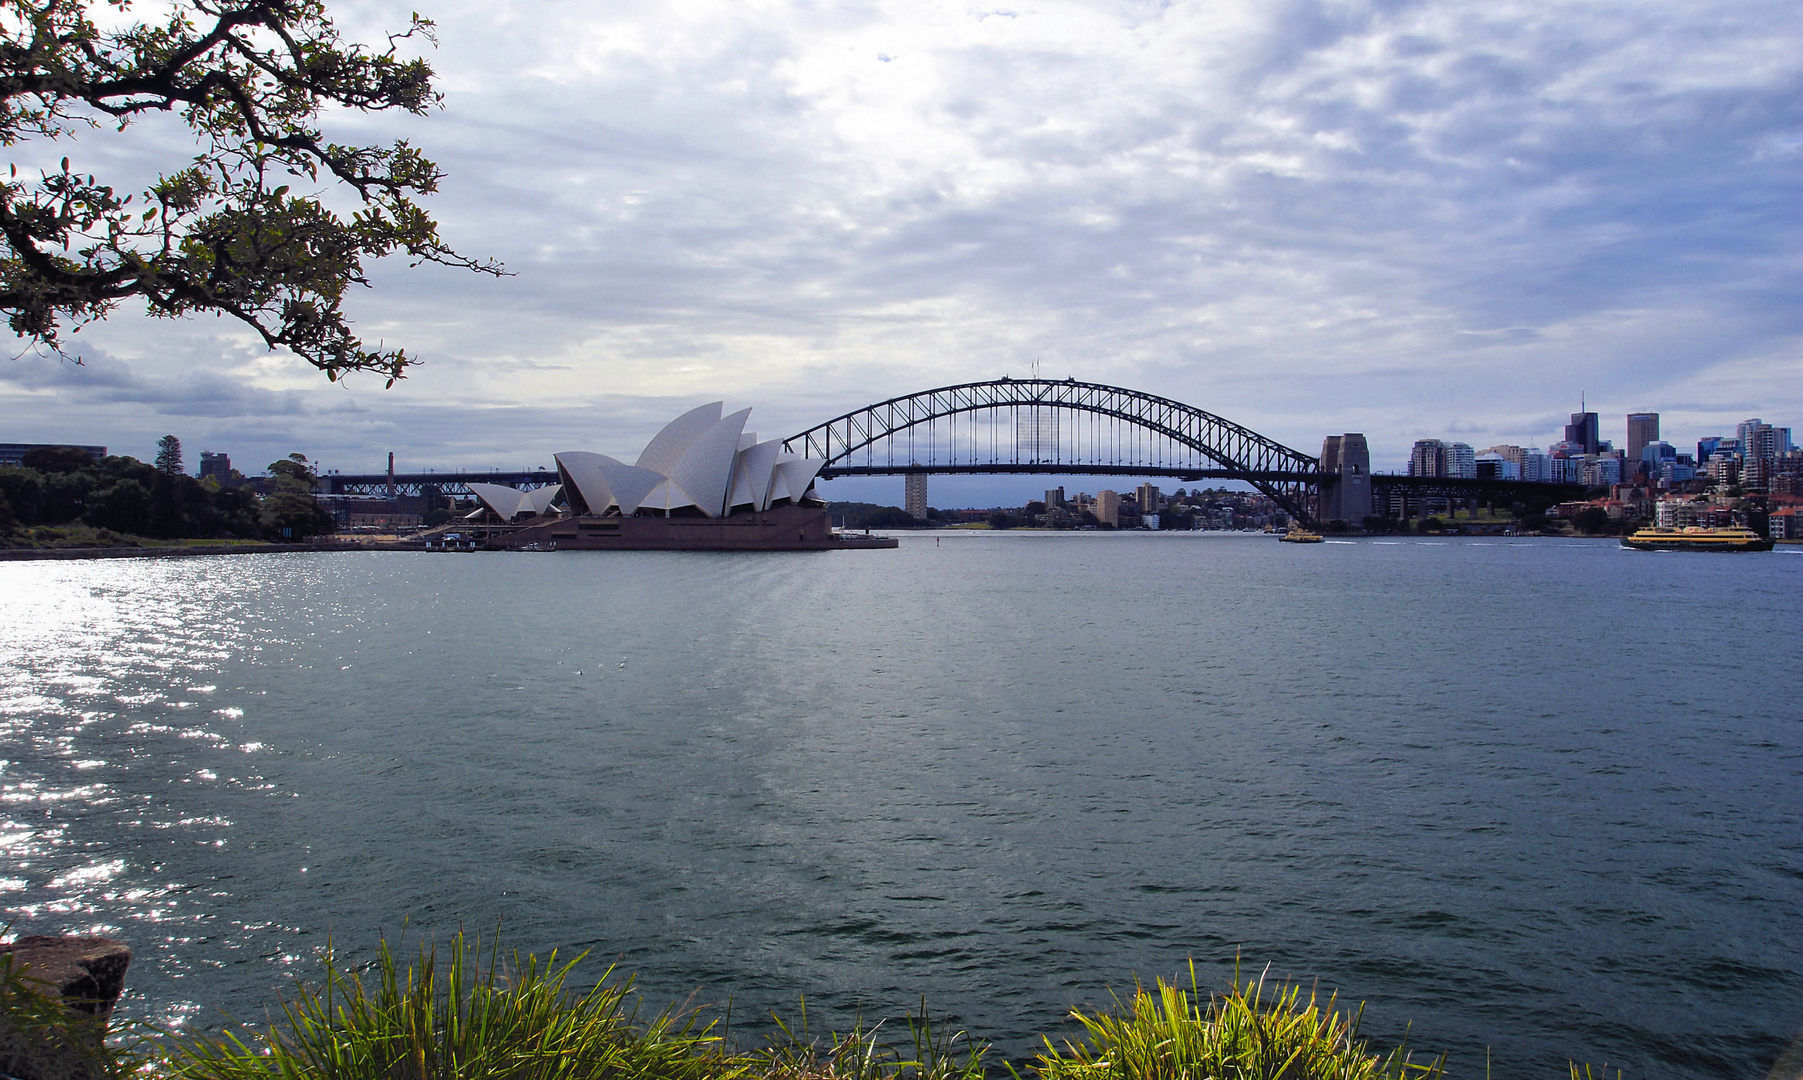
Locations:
{"points": [[1643, 428], [1762, 445], [1108, 508], [914, 496], [700, 464], [1677, 513]]}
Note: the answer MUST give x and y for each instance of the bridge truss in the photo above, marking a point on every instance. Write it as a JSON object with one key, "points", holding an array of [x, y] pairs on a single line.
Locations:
{"points": [[1058, 427], [454, 484]]}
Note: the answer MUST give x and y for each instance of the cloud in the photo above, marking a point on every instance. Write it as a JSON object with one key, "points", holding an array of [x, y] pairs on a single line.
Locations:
{"points": [[1398, 218]]}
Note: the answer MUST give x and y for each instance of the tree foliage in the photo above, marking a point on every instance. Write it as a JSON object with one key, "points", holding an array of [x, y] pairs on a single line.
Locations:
{"points": [[63, 485], [169, 454], [227, 233]]}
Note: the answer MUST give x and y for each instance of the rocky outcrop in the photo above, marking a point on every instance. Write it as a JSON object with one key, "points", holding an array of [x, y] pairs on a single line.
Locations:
{"points": [[88, 972], [56, 994]]}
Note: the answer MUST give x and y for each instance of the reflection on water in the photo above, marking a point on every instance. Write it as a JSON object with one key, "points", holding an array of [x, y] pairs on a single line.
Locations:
{"points": [[1540, 797]]}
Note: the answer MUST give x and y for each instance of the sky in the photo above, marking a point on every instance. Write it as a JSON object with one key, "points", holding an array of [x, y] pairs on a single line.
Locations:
{"points": [[1415, 220]]}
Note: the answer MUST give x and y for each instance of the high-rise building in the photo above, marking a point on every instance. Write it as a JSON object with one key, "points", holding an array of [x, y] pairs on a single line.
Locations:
{"points": [[1761, 447], [218, 466], [1428, 458], [1744, 429], [914, 495], [1146, 495], [1643, 428], [1535, 465], [1054, 498], [1432, 457], [1108, 507], [1583, 431], [1461, 461]]}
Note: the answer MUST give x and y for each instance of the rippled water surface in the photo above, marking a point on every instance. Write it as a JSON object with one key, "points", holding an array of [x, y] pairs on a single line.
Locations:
{"points": [[1541, 797]]}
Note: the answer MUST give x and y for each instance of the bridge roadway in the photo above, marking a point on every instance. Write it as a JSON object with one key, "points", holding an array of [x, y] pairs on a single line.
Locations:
{"points": [[375, 485]]}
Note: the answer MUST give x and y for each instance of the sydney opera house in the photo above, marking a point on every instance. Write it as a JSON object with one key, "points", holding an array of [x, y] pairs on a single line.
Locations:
{"points": [[703, 483]]}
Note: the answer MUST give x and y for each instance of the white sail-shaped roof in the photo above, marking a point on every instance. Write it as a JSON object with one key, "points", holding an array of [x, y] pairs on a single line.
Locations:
{"points": [[705, 467], [584, 478], [798, 473], [700, 459], [666, 496], [504, 501], [509, 503], [666, 447], [755, 465], [539, 500], [629, 485]]}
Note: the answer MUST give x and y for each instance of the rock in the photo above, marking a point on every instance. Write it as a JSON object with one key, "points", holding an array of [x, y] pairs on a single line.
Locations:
{"points": [[89, 972], [40, 1040]]}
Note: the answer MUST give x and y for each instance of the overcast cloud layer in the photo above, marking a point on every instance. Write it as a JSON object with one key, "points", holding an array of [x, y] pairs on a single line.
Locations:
{"points": [[1408, 219]]}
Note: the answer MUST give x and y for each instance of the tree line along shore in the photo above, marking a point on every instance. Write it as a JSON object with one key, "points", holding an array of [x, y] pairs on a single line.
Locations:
{"points": [[63, 497]]}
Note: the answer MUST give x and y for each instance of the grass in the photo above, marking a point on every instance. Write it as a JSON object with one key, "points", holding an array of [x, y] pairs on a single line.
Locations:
{"points": [[1248, 1033], [78, 535], [468, 1013], [463, 1018]]}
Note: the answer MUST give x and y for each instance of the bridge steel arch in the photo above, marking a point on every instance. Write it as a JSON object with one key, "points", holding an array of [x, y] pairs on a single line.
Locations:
{"points": [[1211, 445]]}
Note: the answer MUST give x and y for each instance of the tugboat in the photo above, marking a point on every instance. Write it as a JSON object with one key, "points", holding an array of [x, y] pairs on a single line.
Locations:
{"points": [[1300, 535], [1696, 538]]}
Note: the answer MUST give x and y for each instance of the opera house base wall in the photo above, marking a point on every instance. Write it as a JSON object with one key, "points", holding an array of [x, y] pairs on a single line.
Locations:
{"points": [[780, 528]]}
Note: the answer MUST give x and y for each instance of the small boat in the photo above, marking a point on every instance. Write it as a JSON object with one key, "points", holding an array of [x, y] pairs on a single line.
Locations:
{"points": [[1696, 538], [1300, 535]]}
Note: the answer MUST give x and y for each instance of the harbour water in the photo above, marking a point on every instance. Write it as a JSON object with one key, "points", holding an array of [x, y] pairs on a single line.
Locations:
{"points": [[1538, 800]]}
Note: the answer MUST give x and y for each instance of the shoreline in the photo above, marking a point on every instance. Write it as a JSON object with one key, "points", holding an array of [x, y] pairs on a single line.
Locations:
{"points": [[127, 552]]}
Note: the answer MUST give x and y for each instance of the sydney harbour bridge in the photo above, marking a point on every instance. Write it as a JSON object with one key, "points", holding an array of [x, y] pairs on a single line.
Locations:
{"points": [[1066, 428]]}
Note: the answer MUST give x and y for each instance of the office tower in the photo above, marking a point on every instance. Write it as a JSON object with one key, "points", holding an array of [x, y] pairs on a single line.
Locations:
{"points": [[1643, 428], [1584, 432]]}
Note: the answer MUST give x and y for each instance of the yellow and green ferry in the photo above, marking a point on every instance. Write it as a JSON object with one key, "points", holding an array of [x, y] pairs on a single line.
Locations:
{"points": [[1696, 538]]}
